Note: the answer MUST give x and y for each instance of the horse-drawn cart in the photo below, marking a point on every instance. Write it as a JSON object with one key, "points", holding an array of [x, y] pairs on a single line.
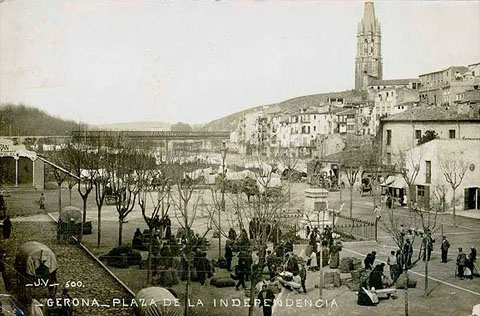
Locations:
{"points": [[70, 224]]}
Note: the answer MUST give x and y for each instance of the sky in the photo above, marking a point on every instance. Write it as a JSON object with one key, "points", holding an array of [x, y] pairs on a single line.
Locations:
{"points": [[193, 61]]}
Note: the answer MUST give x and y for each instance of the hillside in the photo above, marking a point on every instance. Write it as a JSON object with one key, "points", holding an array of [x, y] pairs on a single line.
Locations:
{"points": [[230, 122], [18, 119]]}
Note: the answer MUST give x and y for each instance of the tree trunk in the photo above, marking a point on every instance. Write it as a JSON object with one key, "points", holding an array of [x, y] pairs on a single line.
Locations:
{"points": [[351, 201], [251, 296], [120, 231], [84, 218], [187, 288], [99, 225], [59, 198], [406, 292], [149, 258], [426, 273], [454, 214], [443, 212]]}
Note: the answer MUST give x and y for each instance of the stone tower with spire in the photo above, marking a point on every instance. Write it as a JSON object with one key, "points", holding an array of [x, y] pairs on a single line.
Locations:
{"points": [[368, 63]]}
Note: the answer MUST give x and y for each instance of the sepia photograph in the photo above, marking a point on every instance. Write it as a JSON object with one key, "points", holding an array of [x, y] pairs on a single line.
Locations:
{"points": [[239, 157]]}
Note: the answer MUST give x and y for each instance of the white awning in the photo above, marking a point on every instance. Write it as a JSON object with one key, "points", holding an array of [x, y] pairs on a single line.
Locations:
{"points": [[394, 182]]}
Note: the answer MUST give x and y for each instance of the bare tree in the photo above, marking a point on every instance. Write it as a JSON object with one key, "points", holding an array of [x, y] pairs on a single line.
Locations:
{"points": [[260, 212], [59, 173], [187, 200], [103, 156], [126, 181], [81, 160], [429, 222], [351, 166], [454, 170], [403, 239], [157, 190], [439, 201], [408, 163]]}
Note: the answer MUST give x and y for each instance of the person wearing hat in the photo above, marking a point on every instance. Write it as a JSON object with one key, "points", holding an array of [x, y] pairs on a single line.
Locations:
{"points": [[444, 247], [266, 298], [461, 262]]}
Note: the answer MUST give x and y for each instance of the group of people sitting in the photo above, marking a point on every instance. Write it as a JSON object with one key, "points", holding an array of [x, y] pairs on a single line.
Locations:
{"points": [[162, 230]]}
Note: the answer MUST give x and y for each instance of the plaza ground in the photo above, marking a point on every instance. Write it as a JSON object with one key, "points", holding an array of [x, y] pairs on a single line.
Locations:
{"points": [[447, 296]]}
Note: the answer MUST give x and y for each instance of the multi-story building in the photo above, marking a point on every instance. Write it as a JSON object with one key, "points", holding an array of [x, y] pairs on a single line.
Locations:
{"points": [[460, 157], [402, 131], [442, 87], [387, 99]]}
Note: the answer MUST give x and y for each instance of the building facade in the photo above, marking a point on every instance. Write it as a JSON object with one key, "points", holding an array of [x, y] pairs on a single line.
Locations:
{"points": [[402, 131], [442, 87], [460, 157]]}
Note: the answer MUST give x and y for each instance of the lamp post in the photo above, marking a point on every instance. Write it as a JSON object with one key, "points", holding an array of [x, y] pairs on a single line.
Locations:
{"points": [[222, 208]]}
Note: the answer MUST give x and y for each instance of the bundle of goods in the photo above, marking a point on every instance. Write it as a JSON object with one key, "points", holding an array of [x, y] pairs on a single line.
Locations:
{"points": [[401, 282], [332, 279], [346, 264], [222, 282]]}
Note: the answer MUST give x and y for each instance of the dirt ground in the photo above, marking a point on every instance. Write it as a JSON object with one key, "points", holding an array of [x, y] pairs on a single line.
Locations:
{"points": [[448, 296]]}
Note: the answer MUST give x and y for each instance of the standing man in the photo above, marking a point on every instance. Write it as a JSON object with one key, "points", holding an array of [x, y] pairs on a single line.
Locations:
{"points": [[461, 262], [408, 253], [168, 227], [228, 255], [393, 265], [240, 272], [42, 202], [3, 207], [445, 245], [7, 227], [266, 298], [428, 246], [303, 277], [370, 260]]}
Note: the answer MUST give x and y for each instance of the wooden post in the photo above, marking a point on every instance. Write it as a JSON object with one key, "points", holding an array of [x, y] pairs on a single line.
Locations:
{"points": [[16, 170]]}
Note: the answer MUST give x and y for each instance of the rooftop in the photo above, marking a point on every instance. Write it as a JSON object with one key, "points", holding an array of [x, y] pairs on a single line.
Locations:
{"points": [[438, 113], [390, 82], [463, 68]]}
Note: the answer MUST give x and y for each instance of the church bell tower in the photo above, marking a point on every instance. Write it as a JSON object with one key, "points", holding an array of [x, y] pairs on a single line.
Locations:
{"points": [[368, 63]]}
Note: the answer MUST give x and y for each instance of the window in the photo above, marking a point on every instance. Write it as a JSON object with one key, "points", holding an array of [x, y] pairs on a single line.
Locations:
{"points": [[389, 158], [389, 137], [314, 128], [428, 171], [451, 133], [418, 134], [420, 190]]}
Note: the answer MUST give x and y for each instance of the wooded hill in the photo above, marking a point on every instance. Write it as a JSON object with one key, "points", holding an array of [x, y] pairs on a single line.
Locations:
{"points": [[19, 119]]}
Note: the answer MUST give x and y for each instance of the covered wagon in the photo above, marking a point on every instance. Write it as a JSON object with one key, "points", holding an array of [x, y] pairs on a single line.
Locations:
{"points": [[70, 223], [36, 270], [156, 301]]}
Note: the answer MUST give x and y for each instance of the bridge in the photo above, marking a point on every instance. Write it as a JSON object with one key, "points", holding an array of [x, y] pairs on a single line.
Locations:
{"points": [[170, 140], [154, 135], [167, 139]]}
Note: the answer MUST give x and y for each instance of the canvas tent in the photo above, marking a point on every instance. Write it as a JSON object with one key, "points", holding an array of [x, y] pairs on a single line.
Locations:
{"points": [[31, 254], [158, 302]]}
